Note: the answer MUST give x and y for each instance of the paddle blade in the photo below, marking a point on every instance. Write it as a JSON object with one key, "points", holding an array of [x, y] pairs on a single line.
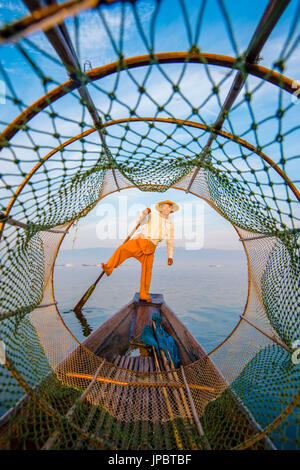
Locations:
{"points": [[83, 299], [88, 293]]}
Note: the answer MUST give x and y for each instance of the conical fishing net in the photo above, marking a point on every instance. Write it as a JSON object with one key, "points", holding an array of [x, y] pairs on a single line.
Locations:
{"points": [[99, 96]]}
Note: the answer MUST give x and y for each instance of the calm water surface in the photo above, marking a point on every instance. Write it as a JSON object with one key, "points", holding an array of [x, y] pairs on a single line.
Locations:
{"points": [[207, 289]]}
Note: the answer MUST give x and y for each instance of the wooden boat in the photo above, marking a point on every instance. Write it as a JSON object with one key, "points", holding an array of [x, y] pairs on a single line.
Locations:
{"points": [[133, 399]]}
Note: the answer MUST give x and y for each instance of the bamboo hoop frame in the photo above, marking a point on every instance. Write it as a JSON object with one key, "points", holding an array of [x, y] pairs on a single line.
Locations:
{"points": [[139, 61], [222, 133], [48, 17]]}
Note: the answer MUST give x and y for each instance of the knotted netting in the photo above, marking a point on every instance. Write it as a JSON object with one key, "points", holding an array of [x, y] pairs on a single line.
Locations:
{"points": [[99, 96]]}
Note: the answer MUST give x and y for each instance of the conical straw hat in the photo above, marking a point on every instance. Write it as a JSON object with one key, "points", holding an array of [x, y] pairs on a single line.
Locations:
{"points": [[175, 206]]}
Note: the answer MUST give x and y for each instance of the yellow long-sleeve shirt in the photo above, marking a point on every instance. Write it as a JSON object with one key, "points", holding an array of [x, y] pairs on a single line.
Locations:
{"points": [[156, 228]]}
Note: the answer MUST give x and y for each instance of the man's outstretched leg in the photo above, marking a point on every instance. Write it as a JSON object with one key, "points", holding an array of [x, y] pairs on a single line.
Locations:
{"points": [[124, 251], [134, 248]]}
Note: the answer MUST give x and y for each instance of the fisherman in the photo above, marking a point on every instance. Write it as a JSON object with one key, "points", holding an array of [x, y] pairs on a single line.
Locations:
{"points": [[155, 228]]}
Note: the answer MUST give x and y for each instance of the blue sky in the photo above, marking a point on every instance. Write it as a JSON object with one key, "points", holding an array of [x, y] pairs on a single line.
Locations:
{"points": [[171, 33]]}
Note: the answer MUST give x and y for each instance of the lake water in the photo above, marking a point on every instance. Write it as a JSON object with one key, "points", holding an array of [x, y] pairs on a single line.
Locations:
{"points": [[207, 290]]}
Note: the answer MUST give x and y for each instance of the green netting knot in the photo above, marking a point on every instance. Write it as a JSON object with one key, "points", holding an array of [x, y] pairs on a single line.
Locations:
{"points": [[46, 80], [194, 50], [280, 65], [280, 113]]}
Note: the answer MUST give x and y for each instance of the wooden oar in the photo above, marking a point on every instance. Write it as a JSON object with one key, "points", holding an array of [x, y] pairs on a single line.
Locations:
{"points": [[91, 289]]}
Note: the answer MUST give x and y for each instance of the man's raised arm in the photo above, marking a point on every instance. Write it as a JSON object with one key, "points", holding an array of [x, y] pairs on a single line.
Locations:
{"points": [[143, 215]]}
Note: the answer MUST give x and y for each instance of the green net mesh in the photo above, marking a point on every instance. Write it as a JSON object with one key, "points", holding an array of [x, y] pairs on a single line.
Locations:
{"points": [[102, 101]]}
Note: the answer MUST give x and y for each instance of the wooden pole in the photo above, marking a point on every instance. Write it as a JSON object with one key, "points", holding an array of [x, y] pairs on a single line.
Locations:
{"points": [[59, 37], [180, 403], [175, 430], [84, 394], [193, 408], [271, 15], [70, 414], [272, 337], [107, 380]]}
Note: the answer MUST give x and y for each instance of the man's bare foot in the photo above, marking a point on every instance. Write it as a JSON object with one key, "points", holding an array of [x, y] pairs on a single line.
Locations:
{"points": [[146, 299]]}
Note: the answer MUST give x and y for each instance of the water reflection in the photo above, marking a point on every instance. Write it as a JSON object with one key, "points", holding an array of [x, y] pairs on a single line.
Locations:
{"points": [[86, 329]]}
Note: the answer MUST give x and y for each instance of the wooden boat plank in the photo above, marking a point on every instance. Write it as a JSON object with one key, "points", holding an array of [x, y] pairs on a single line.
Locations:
{"points": [[142, 317], [112, 335]]}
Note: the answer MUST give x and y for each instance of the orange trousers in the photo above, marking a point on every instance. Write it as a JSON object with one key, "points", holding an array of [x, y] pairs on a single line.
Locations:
{"points": [[141, 249]]}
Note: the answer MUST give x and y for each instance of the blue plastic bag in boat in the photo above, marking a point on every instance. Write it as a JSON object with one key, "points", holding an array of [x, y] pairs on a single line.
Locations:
{"points": [[160, 340]]}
